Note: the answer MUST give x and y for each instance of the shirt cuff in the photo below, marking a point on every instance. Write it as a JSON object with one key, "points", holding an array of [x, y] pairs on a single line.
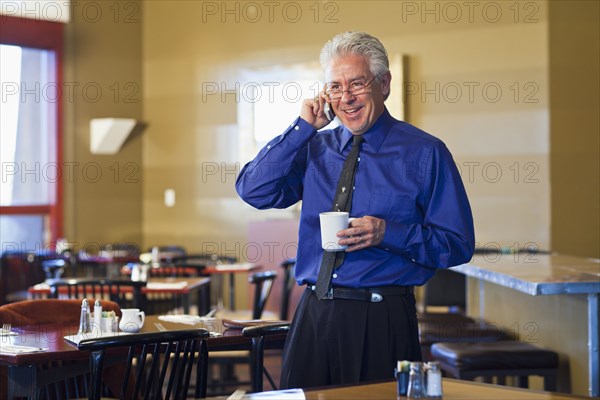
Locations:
{"points": [[395, 236], [300, 132]]}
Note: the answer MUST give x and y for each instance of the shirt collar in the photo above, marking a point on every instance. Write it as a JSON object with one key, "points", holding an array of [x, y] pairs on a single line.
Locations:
{"points": [[374, 136]]}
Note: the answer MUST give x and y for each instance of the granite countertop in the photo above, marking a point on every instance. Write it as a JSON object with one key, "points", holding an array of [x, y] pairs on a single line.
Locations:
{"points": [[536, 274]]}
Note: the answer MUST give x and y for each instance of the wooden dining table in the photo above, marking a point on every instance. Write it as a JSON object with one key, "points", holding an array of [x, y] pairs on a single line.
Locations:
{"points": [[104, 264], [231, 270], [212, 270], [25, 372], [453, 389], [183, 287]]}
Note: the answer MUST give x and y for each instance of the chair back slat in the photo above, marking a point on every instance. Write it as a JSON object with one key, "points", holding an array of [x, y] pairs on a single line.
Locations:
{"points": [[289, 282], [176, 363], [164, 367], [191, 353], [129, 364]]}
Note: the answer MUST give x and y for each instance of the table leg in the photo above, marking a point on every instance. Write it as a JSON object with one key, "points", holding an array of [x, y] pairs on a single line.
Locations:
{"points": [[481, 300], [186, 303], [113, 270], [204, 300], [593, 357], [232, 291], [22, 381]]}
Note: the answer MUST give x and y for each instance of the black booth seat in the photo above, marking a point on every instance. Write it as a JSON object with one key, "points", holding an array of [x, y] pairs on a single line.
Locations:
{"points": [[497, 359]]}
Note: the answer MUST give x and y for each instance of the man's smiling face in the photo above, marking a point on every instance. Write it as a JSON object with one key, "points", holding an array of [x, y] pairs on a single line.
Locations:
{"points": [[357, 112]]}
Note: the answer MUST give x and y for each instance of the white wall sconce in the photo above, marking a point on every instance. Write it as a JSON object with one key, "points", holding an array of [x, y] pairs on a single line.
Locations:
{"points": [[107, 135]]}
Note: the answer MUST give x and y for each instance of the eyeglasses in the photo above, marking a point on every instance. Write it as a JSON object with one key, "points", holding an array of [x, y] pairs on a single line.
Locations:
{"points": [[335, 92]]}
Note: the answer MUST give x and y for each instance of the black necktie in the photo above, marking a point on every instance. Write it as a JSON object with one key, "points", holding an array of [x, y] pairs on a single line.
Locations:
{"points": [[341, 202]]}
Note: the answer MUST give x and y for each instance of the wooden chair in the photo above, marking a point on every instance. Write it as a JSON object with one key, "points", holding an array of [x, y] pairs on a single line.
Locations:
{"points": [[54, 268], [177, 271], [163, 303], [203, 259], [44, 311], [288, 267], [163, 363], [73, 382], [226, 360], [168, 253], [19, 270], [121, 250], [447, 290], [127, 293], [263, 283], [258, 334], [443, 309]]}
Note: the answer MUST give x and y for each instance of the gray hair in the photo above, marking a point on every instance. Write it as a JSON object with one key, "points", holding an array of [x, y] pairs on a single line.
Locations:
{"points": [[360, 43]]}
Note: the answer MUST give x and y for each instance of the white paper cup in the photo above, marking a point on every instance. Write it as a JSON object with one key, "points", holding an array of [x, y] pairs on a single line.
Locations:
{"points": [[331, 223]]}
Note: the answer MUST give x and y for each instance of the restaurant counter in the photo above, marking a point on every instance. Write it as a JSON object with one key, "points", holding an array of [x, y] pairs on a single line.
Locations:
{"points": [[546, 299]]}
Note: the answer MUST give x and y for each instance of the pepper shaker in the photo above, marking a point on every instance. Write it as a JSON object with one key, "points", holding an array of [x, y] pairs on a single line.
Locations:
{"points": [[401, 373], [84, 318], [416, 381]]}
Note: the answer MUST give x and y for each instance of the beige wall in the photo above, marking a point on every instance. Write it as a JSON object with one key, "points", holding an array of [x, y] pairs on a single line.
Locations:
{"points": [[160, 53], [575, 126], [559, 321], [188, 44], [103, 70]]}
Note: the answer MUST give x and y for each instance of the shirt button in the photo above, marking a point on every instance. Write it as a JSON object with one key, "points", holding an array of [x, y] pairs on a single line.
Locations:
{"points": [[358, 158], [269, 146], [334, 275], [296, 128]]}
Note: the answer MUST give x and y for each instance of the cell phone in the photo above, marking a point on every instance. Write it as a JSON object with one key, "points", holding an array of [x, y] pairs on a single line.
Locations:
{"points": [[328, 111]]}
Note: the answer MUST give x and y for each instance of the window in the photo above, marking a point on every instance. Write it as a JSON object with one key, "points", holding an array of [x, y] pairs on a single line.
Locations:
{"points": [[30, 123], [271, 98]]}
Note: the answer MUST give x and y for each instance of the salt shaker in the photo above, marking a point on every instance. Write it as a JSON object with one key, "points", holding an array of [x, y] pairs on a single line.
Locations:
{"points": [[97, 315], [84, 318], [155, 257], [416, 381], [135, 272], [144, 273], [434, 380]]}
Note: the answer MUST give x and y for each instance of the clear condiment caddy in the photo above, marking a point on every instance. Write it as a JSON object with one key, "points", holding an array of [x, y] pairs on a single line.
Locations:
{"points": [[417, 380]]}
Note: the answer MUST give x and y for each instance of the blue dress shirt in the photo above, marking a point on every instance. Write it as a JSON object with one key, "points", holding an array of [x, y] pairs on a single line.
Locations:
{"points": [[405, 176]]}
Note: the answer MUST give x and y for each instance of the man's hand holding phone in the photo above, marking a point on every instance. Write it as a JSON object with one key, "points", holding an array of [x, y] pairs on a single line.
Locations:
{"points": [[317, 111]]}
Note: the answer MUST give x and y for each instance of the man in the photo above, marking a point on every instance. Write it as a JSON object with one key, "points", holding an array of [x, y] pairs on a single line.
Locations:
{"points": [[412, 216]]}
